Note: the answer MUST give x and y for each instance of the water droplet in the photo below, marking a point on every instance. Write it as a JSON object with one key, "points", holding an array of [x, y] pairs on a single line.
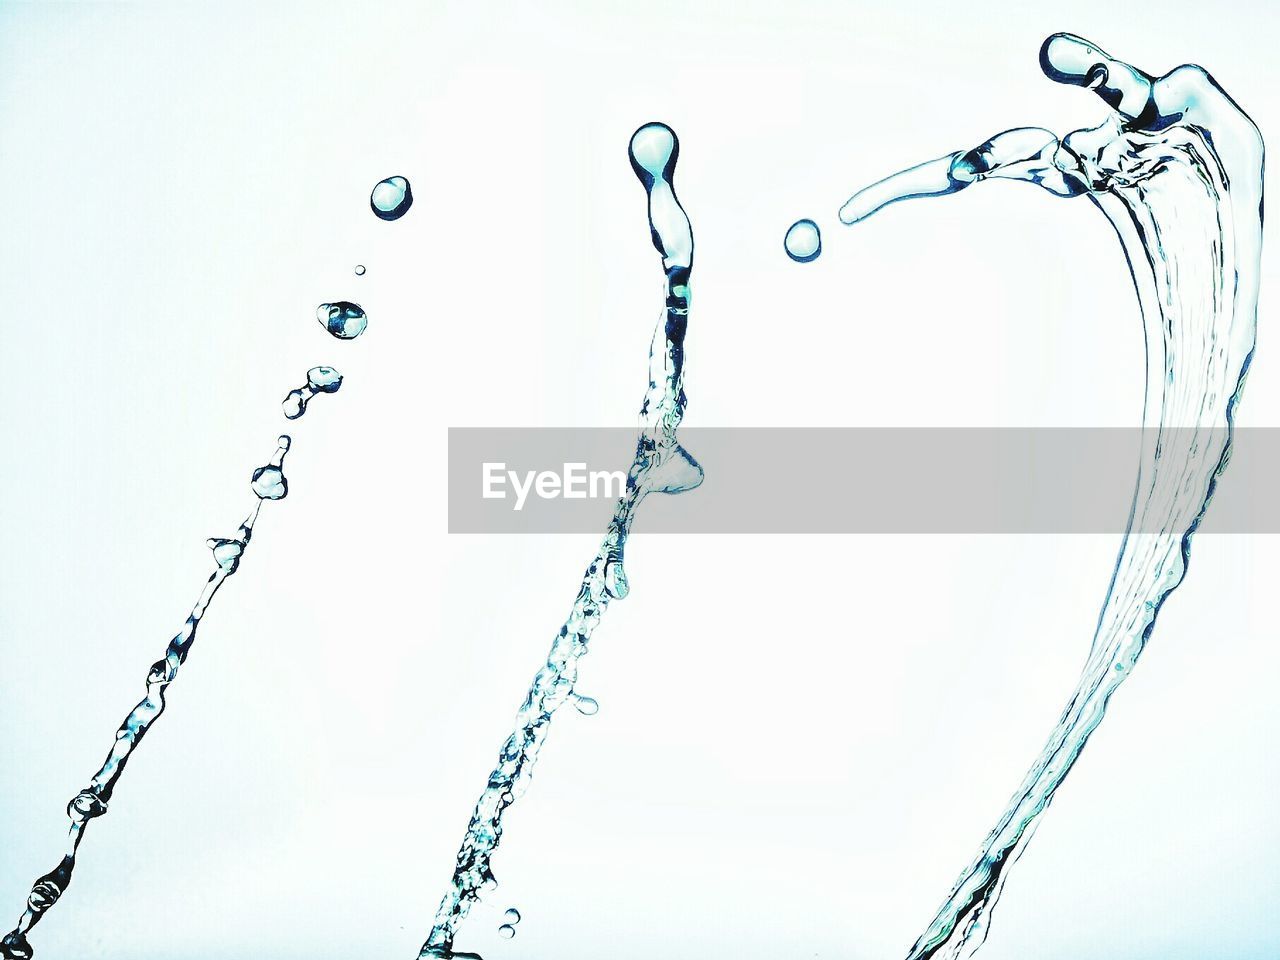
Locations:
{"points": [[226, 553], [324, 379], [43, 896], [587, 706], [359, 269], [295, 404], [345, 320], [269, 482], [86, 805], [319, 380], [512, 915], [652, 148], [507, 931], [391, 198], [803, 241], [615, 579]]}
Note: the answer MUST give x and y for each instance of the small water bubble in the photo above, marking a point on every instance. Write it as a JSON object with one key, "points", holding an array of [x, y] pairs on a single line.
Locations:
{"points": [[512, 915], [803, 242], [391, 198], [506, 931], [587, 706], [345, 320], [359, 269]]}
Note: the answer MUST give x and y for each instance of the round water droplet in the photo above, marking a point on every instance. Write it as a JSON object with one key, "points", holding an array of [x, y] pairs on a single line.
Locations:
{"points": [[391, 198], [507, 931], [587, 706], [512, 915], [226, 553], [803, 241], [295, 404], [359, 269], [324, 379], [652, 149], [345, 320], [269, 483]]}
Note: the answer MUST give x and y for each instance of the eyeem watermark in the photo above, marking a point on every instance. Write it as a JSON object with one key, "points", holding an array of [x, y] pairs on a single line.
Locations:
{"points": [[869, 480], [573, 482]]}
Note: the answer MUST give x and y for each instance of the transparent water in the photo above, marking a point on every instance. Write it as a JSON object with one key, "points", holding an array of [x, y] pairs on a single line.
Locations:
{"points": [[660, 465], [391, 198], [268, 483], [345, 320], [803, 241], [319, 380], [508, 928], [1177, 170]]}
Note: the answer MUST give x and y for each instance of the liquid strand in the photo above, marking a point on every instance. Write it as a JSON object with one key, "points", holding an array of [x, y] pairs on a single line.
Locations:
{"points": [[268, 483], [1177, 169], [661, 465]]}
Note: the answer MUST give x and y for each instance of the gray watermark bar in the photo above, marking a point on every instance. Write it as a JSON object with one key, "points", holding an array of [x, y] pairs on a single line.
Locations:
{"points": [[858, 480]]}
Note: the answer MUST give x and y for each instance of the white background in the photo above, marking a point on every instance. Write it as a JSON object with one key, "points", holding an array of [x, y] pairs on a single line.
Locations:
{"points": [[801, 741]]}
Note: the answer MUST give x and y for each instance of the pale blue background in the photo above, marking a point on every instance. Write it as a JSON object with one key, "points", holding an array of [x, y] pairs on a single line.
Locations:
{"points": [[801, 741]]}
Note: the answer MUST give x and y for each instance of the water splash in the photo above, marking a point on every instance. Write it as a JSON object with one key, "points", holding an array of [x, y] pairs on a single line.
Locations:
{"points": [[1177, 169], [803, 241], [661, 465], [268, 483], [319, 380], [345, 320], [391, 198]]}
